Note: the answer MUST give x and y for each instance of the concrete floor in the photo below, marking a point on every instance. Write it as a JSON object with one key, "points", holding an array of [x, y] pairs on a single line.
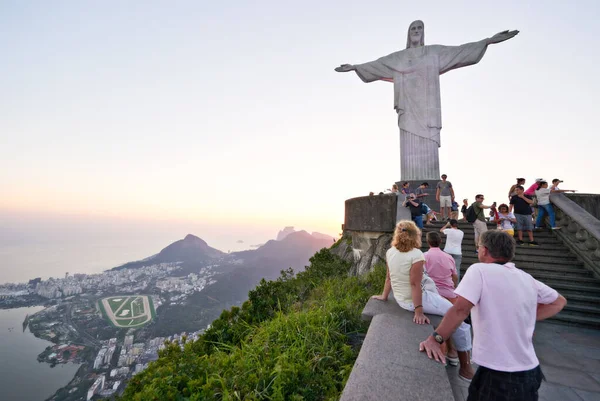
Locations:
{"points": [[570, 360]]}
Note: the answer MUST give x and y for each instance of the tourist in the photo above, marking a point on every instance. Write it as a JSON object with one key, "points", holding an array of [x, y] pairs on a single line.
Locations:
{"points": [[505, 220], [531, 190], [479, 225], [395, 189], [405, 275], [463, 209], [504, 302], [445, 195], [454, 211], [522, 212], [429, 215], [544, 205], [513, 191], [453, 246], [416, 209], [405, 188], [530, 193], [554, 187], [441, 267], [422, 192]]}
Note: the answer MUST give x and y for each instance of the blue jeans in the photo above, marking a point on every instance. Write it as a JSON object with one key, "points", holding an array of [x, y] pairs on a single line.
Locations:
{"points": [[418, 221], [542, 211]]}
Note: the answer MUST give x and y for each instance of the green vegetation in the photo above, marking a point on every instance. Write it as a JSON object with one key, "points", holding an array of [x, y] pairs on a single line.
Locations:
{"points": [[116, 302], [290, 341], [129, 322], [104, 314], [152, 310]]}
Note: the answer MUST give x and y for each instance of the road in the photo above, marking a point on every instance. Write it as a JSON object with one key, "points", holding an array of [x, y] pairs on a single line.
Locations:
{"points": [[87, 339]]}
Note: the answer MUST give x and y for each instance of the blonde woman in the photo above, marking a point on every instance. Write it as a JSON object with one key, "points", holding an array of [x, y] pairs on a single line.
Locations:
{"points": [[405, 275]]}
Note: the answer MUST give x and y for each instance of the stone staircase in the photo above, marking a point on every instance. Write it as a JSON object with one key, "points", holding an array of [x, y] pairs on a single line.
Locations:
{"points": [[553, 264]]}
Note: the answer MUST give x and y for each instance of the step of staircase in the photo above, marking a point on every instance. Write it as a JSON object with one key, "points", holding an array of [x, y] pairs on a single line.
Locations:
{"points": [[583, 308], [553, 264], [577, 320]]}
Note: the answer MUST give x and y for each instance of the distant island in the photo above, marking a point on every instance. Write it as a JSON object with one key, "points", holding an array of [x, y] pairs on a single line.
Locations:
{"points": [[115, 323]]}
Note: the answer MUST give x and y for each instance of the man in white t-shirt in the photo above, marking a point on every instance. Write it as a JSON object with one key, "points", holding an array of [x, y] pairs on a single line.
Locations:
{"points": [[504, 303], [454, 238]]}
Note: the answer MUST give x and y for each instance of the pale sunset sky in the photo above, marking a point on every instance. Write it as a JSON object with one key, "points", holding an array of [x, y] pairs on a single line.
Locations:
{"points": [[226, 119]]}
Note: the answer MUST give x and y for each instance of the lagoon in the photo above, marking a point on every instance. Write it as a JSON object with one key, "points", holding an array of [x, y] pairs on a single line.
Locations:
{"points": [[22, 377]]}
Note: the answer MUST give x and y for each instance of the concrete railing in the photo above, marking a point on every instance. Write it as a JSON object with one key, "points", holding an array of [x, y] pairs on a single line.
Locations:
{"points": [[389, 366], [580, 232]]}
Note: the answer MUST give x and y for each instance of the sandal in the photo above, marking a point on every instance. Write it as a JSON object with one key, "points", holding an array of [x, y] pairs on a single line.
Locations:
{"points": [[461, 377], [452, 361]]}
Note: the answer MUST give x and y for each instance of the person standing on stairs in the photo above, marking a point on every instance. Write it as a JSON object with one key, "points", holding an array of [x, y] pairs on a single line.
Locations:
{"points": [[479, 225], [512, 191], [453, 246], [544, 205], [505, 220], [444, 194], [505, 302], [463, 209], [555, 188], [522, 211]]}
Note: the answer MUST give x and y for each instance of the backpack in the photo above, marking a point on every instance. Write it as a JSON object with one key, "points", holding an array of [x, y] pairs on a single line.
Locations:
{"points": [[471, 214]]}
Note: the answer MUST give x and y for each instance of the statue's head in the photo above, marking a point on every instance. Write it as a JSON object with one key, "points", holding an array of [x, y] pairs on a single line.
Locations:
{"points": [[416, 34]]}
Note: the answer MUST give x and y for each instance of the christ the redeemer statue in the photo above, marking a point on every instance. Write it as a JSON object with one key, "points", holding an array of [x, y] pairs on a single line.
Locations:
{"points": [[415, 73]]}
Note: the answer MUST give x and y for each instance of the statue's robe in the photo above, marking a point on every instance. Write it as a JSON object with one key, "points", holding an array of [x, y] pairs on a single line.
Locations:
{"points": [[415, 73]]}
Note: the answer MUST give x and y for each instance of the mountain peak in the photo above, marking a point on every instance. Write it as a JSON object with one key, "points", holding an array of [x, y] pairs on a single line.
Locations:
{"points": [[194, 239], [284, 233]]}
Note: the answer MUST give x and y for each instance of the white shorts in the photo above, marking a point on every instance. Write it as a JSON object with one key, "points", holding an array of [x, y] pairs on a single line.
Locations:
{"points": [[445, 201]]}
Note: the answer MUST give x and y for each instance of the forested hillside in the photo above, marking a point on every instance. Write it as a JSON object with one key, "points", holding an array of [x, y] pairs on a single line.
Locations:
{"points": [[294, 339]]}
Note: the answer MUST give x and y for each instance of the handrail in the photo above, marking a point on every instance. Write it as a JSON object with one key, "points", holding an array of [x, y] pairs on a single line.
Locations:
{"points": [[581, 231], [578, 214]]}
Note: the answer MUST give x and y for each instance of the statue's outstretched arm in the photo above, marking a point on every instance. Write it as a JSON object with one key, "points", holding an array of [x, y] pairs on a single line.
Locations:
{"points": [[345, 68], [502, 36]]}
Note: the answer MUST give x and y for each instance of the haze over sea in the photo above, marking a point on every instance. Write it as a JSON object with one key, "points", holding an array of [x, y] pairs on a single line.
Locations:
{"points": [[46, 246]]}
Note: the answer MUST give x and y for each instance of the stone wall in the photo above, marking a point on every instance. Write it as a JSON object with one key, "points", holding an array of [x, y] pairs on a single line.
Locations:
{"points": [[375, 213], [589, 202], [363, 249]]}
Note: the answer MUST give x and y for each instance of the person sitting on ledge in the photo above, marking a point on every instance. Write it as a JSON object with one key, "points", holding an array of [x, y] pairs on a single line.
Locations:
{"points": [[505, 303], [404, 262], [441, 267]]}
